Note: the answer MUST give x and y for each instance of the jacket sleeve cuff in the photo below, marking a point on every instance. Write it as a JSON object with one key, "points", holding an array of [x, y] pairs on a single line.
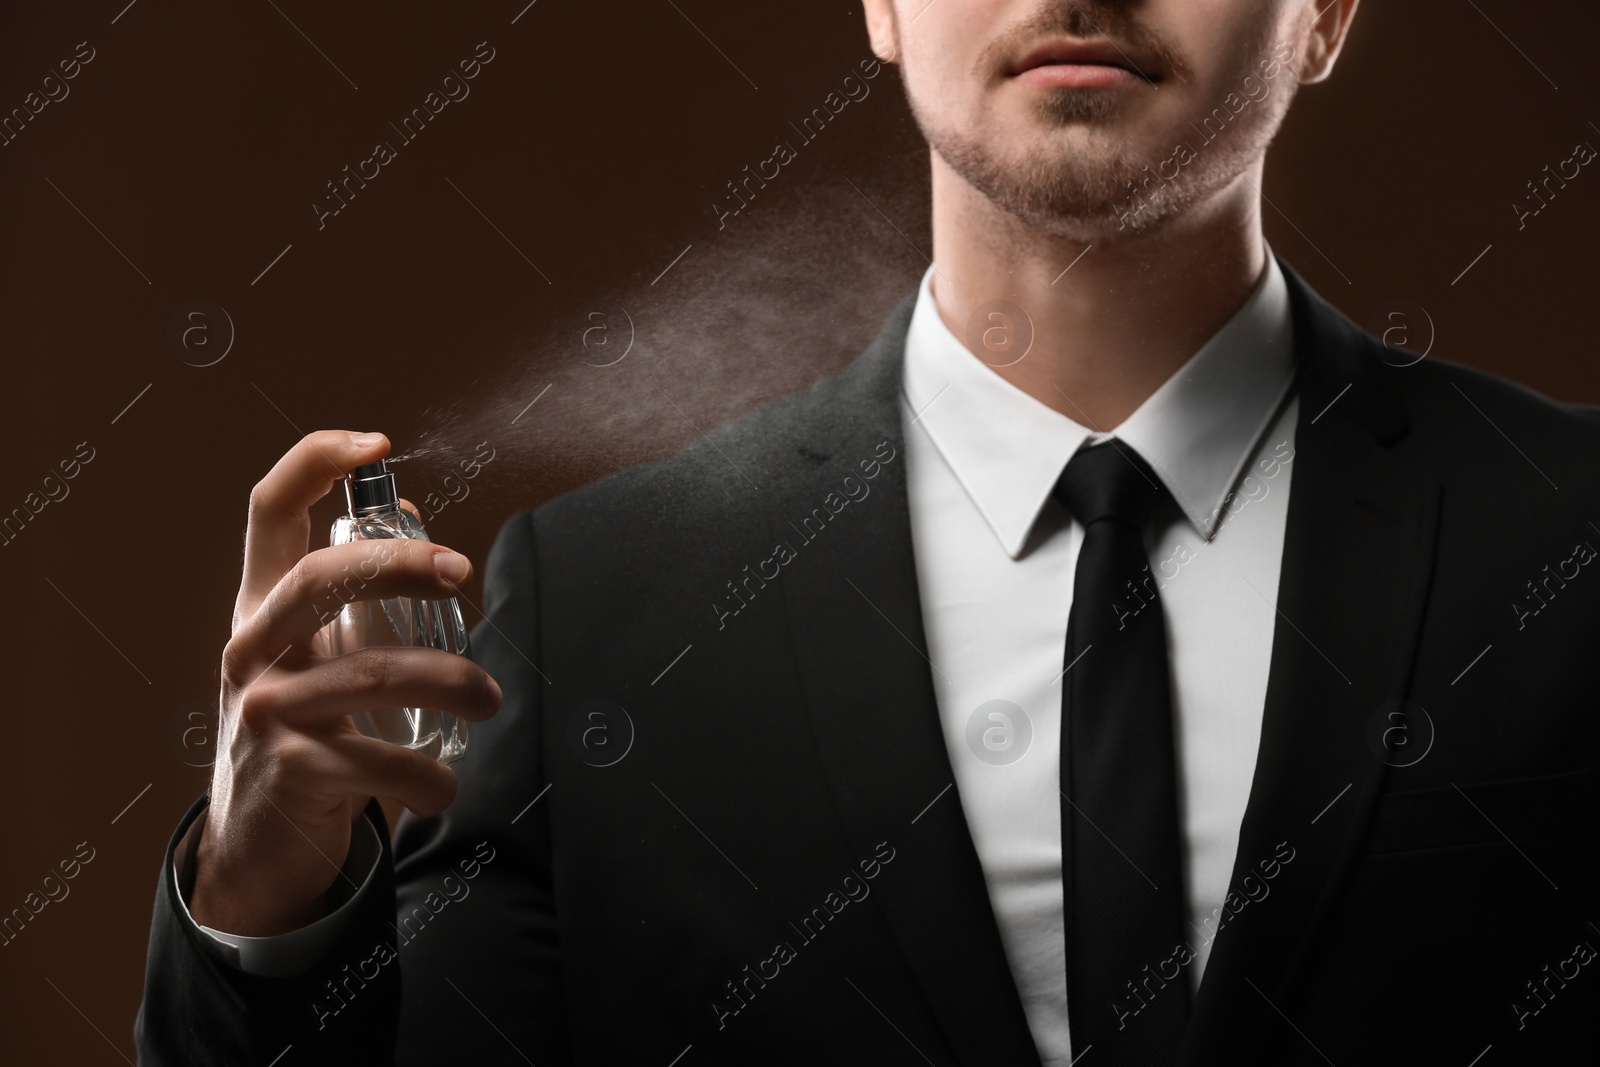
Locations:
{"points": [[289, 954]]}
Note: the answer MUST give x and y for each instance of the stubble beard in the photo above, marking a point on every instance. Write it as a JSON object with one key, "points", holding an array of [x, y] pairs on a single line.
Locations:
{"points": [[1087, 194]]}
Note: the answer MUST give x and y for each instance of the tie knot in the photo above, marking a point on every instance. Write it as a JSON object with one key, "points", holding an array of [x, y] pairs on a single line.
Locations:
{"points": [[1109, 481]]}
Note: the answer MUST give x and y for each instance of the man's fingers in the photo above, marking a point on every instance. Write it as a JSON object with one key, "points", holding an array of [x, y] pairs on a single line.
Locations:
{"points": [[370, 679], [319, 585], [280, 522], [347, 761], [381, 769]]}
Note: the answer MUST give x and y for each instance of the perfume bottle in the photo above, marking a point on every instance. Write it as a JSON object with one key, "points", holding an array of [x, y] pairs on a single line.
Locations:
{"points": [[375, 514]]}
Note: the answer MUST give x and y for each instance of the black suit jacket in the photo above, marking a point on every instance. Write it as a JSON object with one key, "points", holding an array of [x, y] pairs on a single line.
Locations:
{"points": [[777, 870]]}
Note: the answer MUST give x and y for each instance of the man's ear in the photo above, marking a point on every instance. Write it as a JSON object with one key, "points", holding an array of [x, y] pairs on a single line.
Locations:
{"points": [[880, 28], [1323, 37]]}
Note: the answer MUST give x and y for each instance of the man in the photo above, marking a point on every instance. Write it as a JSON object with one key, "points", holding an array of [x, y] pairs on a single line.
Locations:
{"points": [[1034, 718]]}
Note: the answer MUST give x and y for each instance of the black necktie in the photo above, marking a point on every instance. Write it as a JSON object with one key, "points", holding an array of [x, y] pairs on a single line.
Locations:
{"points": [[1127, 957]]}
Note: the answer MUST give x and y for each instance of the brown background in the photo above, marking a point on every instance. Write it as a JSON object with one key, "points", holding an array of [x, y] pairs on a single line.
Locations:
{"points": [[596, 141]]}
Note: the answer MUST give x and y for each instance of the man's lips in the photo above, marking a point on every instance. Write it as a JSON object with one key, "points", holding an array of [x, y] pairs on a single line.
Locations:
{"points": [[1076, 65]]}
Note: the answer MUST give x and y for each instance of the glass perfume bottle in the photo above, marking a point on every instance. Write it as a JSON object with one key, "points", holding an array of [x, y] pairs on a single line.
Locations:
{"points": [[375, 514]]}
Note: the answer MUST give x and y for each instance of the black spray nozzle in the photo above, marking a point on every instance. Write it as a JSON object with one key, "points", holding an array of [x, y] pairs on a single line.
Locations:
{"points": [[371, 488]]}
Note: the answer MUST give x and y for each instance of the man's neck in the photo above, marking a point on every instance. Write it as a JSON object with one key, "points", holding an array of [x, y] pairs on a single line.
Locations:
{"points": [[1127, 314]]}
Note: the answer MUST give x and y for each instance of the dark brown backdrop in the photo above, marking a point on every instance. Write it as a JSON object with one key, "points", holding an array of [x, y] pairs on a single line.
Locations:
{"points": [[451, 292]]}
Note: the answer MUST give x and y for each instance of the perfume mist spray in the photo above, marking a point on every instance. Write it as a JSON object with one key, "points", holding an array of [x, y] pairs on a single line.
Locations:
{"points": [[375, 514]]}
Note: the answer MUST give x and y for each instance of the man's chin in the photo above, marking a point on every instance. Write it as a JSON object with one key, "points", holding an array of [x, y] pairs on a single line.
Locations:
{"points": [[1078, 179], [1080, 193]]}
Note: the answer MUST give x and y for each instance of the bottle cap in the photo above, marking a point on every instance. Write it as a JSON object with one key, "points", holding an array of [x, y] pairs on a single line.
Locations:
{"points": [[371, 488]]}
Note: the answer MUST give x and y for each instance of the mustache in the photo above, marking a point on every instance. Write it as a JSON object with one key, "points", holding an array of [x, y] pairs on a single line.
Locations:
{"points": [[1142, 48]]}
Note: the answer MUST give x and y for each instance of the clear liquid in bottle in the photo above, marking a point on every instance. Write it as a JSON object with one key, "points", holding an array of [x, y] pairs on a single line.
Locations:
{"points": [[375, 514]]}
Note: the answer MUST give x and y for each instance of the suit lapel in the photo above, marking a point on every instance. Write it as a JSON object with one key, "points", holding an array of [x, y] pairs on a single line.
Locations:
{"points": [[856, 623], [1357, 558]]}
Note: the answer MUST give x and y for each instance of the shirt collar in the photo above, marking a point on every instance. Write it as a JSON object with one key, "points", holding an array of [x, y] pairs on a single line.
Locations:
{"points": [[1197, 431]]}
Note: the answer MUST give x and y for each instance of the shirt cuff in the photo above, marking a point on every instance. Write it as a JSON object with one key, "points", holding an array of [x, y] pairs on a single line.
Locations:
{"points": [[284, 955]]}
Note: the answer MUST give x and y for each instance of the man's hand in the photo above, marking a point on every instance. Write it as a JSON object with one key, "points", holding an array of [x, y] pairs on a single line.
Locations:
{"points": [[292, 771]]}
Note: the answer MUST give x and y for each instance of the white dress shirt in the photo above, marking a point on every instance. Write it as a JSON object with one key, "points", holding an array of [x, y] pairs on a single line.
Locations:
{"points": [[996, 555]]}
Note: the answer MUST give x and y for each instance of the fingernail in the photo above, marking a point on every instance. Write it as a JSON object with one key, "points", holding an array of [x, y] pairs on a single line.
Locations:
{"points": [[366, 440], [452, 566], [495, 696]]}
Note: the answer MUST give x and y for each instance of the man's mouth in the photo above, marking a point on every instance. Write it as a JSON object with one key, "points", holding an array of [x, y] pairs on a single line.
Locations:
{"points": [[1067, 64]]}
